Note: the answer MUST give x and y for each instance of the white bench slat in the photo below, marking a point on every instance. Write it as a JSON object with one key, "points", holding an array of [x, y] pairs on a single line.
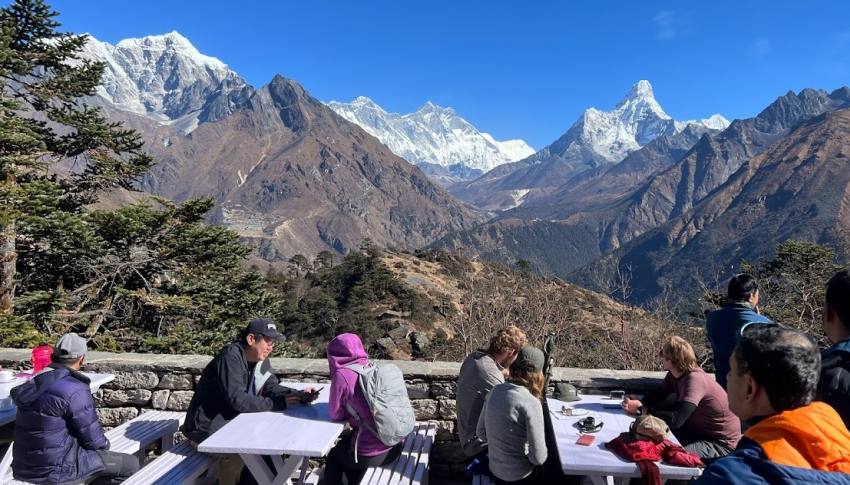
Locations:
{"points": [[406, 472], [135, 435], [386, 473], [420, 473], [411, 463], [181, 465], [375, 474]]}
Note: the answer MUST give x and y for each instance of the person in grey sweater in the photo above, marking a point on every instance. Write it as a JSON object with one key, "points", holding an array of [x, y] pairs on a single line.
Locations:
{"points": [[512, 422], [479, 373]]}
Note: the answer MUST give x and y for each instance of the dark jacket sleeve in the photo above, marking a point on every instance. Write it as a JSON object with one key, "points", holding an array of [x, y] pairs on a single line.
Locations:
{"points": [[675, 415], [83, 423], [274, 391], [659, 395], [233, 380], [834, 389]]}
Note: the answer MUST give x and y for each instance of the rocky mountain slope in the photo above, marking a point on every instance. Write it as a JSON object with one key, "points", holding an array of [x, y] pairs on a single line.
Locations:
{"points": [[799, 188], [444, 145], [600, 211], [294, 177], [596, 139], [286, 172]]}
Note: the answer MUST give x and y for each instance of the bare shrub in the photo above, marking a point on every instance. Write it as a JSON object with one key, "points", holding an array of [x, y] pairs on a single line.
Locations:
{"points": [[590, 330]]}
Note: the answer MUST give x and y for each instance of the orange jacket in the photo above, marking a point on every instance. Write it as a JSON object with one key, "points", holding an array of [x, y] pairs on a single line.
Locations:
{"points": [[812, 436]]}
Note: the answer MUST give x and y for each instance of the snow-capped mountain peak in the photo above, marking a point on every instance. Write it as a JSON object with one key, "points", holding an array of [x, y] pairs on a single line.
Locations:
{"points": [[636, 120], [364, 101], [432, 134], [174, 41], [163, 77]]}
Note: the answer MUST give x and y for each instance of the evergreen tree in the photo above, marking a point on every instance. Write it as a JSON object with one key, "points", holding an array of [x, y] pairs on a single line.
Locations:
{"points": [[149, 276], [56, 153]]}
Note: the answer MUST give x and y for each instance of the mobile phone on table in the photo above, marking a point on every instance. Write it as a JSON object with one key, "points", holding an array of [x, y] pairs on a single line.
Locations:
{"points": [[311, 396], [585, 440]]}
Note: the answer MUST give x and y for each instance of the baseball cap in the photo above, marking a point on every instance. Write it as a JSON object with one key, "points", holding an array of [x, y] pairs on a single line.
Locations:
{"points": [[650, 427], [530, 358], [265, 327], [70, 347]]}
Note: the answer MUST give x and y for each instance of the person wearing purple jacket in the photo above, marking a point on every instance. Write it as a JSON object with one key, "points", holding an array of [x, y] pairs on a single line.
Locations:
{"points": [[58, 438], [360, 449]]}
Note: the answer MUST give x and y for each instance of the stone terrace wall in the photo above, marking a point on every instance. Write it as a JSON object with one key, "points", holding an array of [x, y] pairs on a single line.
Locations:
{"points": [[156, 381]]}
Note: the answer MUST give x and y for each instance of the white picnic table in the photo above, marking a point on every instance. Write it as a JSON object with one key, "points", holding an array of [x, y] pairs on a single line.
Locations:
{"points": [[7, 407], [302, 432], [595, 461]]}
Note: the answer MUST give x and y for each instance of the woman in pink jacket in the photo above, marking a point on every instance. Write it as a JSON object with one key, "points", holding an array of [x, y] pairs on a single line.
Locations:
{"points": [[359, 449]]}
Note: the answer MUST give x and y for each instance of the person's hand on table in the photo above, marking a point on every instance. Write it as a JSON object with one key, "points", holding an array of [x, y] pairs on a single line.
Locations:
{"points": [[309, 395], [631, 405]]}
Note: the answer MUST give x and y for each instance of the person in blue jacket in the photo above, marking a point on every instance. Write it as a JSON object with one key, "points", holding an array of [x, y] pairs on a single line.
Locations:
{"points": [[725, 325], [58, 437], [791, 439]]}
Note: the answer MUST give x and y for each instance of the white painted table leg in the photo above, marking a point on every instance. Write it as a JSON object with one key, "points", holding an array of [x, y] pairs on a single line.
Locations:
{"points": [[264, 475], [305, 467], [259, 469], [601, 479]]}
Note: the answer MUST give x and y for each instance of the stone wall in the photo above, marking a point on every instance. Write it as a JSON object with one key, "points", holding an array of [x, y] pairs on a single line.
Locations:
{"points": [[154, 381]]}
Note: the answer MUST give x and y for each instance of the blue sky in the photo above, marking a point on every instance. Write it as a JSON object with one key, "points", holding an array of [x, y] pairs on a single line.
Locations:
{"points": [[514, 69]]}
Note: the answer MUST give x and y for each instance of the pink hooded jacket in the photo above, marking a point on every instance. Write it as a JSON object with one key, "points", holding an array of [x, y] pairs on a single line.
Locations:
{"points": [[343, 350]]}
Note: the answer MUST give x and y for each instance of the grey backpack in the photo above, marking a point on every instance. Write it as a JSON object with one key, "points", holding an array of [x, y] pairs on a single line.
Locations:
{"points": [[385, 393]]}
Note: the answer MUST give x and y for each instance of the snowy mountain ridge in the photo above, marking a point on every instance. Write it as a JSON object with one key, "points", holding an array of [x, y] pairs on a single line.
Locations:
{"points": [[163, 77], [635, 121], [432, 135]]}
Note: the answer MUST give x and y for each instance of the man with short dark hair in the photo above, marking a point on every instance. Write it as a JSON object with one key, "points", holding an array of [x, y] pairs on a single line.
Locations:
{"points": [[834, 384], [239, 380], [725, 325], [58, 438], [790, 438]]}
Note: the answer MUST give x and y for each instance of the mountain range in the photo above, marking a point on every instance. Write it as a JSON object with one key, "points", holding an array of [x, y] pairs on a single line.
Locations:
{"points": [[645, 211], [597, 139], [630, 187], [798, 188], [286, 172], [444, 145]]}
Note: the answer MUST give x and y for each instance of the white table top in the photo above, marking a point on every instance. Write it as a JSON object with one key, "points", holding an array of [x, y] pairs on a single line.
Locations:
{"points": [[596, 459], [7, 408], [304, 430]]}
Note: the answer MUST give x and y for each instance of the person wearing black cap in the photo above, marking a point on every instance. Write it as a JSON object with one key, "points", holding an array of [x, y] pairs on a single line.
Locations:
{"points": [[239, 380]]}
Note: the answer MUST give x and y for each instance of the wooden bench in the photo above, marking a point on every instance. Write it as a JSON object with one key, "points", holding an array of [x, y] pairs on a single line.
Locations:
{"points": [[132, 437], [181, 465], [411, 467]]}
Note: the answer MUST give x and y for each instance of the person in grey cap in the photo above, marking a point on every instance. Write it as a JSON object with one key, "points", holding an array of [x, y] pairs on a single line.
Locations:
{"points": [[239, 380], [512, 422], [58, 438]]}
